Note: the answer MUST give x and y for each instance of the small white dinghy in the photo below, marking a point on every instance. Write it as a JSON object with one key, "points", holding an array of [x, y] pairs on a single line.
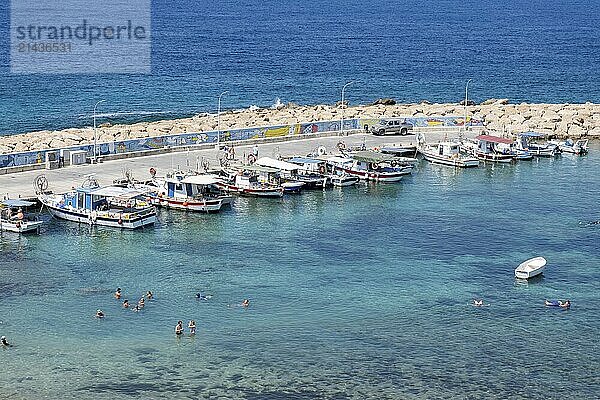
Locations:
{"points": [[530, 268]]}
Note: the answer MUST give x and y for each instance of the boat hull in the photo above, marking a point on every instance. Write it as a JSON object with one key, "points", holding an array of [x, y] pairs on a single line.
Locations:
{"points": [[116, 220], [530, 268], [386, 177], [452, 162], [208, 206], [493, 157], [20, 227]]}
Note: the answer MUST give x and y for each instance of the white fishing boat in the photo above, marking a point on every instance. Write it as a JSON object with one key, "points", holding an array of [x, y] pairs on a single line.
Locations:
{"points": [[530, 268], [525, 141], [578, 147], [372, 166], [111, 206], [190, 192], [494, 149], [14, 219], [447, 153], [253, 180]]}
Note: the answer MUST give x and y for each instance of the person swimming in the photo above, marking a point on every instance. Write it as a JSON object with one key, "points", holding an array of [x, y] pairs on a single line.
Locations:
{"points": [[149, 295], [126, 303], [201, 296], [118, 294], [99, 314], [4, 341], [564, 304], [192, 327], [136, 308], [245, 303], [142, 302], [179, 328], [478, 303]]}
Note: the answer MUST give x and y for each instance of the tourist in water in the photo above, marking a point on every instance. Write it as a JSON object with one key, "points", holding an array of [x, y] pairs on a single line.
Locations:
{"points": [[478, 303], [149, 295], [179, 328], [245, 303], [4, 342], [126, 303], [142, 302], [118, 294], [192, 327], [99, 314], [136, 308], [565, 304]]}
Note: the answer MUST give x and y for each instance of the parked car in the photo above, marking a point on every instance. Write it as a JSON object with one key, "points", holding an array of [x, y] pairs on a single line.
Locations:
{"points": [[397, 126]]}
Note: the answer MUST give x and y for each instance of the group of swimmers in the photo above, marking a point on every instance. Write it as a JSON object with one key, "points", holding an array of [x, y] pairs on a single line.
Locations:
{"points": [[191, 327], [550, 303], [140, 304]]}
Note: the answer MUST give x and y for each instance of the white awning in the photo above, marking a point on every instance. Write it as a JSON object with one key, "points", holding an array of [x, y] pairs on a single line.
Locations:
{"points": [[200, 179], [116, 191], [271, 162]]}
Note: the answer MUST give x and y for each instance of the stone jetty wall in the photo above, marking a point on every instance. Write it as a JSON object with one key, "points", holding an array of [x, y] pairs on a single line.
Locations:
{"points": [[555, 120]]}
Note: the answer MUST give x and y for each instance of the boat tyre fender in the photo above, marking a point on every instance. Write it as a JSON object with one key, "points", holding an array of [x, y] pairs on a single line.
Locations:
{"points": [[251, 159], [341, 146], [322, 150], [394, 164], [152, 172]]}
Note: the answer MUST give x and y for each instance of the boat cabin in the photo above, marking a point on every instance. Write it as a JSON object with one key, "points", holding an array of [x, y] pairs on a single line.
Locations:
{"points": [[94, 199], [493, 144], [194, 186]]}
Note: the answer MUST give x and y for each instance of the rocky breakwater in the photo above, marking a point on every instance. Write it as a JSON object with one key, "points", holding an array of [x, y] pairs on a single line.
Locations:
{"points": [[555, 120]]}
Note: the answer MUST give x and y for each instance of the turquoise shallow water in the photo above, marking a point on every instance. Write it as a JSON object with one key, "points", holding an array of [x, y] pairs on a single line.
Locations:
{"points": [[356, 293]]}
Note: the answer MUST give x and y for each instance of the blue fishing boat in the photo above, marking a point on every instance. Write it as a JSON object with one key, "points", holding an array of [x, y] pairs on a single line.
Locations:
{"points": [[111, 206]]}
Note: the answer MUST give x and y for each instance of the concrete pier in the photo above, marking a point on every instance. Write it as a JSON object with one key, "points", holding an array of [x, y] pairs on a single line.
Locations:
{"points": [[63, 179]]}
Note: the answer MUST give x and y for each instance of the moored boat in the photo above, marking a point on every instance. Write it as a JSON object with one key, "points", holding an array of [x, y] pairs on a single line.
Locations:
{"points": [[253, 180], [190, 192], [494, 149], [14, 219], [111, 206], [525, 141], [371, 166], [530, 268], [447, 153], [578, 147]]}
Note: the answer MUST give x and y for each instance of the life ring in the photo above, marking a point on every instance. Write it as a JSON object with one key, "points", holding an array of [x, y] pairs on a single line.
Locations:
{"points": [[152, 172], [185, 204], [322, 170], [321, 150], [251, 159]]}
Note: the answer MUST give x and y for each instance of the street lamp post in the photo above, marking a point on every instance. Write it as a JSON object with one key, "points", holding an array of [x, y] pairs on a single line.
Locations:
{"points": [[466, 102], [342, 119], [95, 135], [219, 119]]}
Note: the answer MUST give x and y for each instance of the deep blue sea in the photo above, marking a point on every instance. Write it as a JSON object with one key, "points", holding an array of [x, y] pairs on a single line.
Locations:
{"points": [[357, 293], [303, 52]]}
